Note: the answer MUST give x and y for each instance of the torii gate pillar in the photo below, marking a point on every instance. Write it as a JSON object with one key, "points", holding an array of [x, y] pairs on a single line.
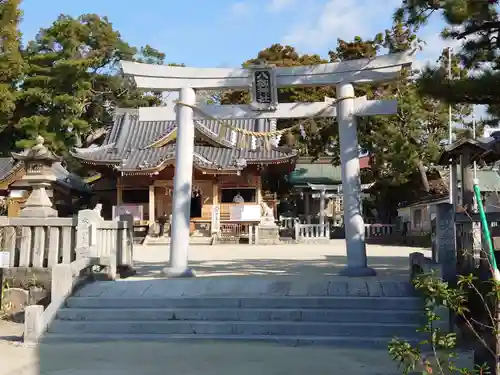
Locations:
{"points": [[351, 184], [183, 181]]}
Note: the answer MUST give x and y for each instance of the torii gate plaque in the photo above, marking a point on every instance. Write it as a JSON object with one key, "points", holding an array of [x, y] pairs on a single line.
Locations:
{"points": [[264, 91], [264, 81]]}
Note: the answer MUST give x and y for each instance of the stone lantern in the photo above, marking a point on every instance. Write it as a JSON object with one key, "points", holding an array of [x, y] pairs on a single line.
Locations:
{"points": [[38, 162]]}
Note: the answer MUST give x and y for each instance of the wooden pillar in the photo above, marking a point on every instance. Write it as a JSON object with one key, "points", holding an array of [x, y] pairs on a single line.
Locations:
{"points": [[152, 213], [322, 207], [215, 191], [469, 256], [119, 195], [306, 204], [259, 190], [467, 183]]}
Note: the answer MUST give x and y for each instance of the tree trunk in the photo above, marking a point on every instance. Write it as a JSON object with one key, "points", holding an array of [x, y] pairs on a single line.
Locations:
{"points": [[423, 176]]}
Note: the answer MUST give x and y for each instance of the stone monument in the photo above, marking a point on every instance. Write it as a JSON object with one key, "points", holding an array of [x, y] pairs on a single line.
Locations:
{"points": [[38, 162], [268, 231]]}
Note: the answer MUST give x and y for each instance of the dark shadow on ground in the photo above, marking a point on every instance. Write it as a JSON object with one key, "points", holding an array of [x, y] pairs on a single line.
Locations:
{"points": [[12, 338], [324, 266]]}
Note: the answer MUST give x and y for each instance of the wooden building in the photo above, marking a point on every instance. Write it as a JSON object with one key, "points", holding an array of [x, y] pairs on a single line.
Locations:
{"points": [[137, 165], [69, 192]]}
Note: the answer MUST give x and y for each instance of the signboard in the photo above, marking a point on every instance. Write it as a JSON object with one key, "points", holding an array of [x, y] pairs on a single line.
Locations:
{"points": [[136, 210], [215, 225], [4, 259], [263, 84], [244, 212], [264, 90]]}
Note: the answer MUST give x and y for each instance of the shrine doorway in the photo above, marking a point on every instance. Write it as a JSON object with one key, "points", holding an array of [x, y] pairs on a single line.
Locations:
{"points": [[196, 203]]}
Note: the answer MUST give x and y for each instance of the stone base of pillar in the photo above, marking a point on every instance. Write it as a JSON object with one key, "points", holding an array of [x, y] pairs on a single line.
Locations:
{"points": [[38, 211], [178, 272], [358, 272], [268, 234]]}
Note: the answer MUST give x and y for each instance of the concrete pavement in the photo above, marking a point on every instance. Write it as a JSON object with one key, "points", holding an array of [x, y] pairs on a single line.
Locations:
{"points": [[287, 259], [123, 358], [309, 261]]}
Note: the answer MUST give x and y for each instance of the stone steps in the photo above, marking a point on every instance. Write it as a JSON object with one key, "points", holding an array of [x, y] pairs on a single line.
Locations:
{"points": [[388, 304], [243, 315], [245, 328], [352, 321], [333, 311], [361, 342]]}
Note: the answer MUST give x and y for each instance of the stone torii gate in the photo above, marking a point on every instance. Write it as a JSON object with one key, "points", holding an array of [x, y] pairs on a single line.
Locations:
{"points": [[263, 82]]}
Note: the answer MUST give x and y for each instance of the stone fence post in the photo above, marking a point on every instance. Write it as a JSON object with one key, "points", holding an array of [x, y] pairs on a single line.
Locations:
{"points": [[86, 233], [445, 250]]}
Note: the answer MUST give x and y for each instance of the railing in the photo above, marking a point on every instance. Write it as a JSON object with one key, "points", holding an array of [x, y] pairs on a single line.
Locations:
{"points": [[98, 243], [45, 242], [379, 230], [287, 222], [308, 232]]}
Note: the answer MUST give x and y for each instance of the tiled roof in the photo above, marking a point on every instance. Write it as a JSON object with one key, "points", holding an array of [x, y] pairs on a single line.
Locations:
{"points": [[488, 179], [6, 167], [312, 173], [9, 166], [130, 146]]}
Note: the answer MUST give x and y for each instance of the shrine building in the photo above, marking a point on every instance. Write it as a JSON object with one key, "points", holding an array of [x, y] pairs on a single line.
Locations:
{"points": [[137, 165]]}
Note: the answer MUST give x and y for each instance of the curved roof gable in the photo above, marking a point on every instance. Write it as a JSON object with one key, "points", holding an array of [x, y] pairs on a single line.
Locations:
{"points": [[141, 146]]}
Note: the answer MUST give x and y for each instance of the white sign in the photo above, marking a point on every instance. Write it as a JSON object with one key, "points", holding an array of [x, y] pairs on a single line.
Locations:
{"points": [[4, 259], [136, 210], [215, 218], [244, 212]]}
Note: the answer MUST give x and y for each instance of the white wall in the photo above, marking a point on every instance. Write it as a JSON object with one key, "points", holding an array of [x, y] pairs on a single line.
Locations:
{"points": [[492, 202]]}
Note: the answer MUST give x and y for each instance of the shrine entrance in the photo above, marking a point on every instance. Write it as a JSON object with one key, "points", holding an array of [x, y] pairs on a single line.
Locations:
{"points": [[263, 82], [196, 204]]}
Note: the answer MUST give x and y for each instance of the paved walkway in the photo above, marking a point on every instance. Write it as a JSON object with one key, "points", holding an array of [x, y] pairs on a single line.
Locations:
{"points": [[246, 286], [190, 359], [135, 358], [291, 259], [318, 264]]}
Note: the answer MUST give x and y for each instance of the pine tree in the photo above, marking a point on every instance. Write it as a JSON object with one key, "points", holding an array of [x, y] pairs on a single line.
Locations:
{"points": [[73, 84], [11, 68], [475, 24]]}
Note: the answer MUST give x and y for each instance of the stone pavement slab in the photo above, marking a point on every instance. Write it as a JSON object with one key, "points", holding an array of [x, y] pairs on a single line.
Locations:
{"points": [[273, 260], [276, 286], [195, 359], [123, 358]]}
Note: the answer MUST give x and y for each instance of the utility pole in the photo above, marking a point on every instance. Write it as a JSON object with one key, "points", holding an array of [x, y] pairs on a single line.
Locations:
{"points": [[453, 173]]}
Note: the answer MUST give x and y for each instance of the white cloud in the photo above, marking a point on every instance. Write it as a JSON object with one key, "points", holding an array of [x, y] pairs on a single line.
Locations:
{"points": [[279, 5], [318, 31], [340, 19], [433, 47]]}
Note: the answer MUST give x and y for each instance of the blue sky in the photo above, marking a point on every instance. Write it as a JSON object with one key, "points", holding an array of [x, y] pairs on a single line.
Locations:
{"points": [[224, 33]]}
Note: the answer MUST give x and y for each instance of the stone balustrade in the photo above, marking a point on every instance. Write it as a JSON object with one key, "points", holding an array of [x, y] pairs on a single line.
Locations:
{"points": [[379, 230], [312, 232], [42, 243]]}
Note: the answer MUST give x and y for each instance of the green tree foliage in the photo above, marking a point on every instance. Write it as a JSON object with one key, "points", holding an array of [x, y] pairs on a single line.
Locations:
{"points": [[70, 84], [476, 24], [439, 351], [320, 132], [403, 146], [65, 84], [11, 67]]}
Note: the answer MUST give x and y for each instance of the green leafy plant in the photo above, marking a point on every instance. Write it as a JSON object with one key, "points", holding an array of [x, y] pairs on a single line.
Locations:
{"points": [[439, 349]]}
